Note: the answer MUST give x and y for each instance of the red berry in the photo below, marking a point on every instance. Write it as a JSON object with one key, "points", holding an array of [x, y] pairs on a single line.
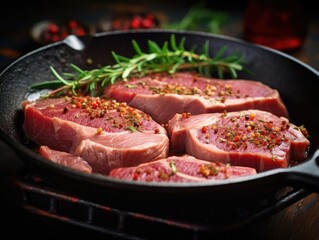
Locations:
{"points": [[73, 24], [136, 22], [80, 32], [146, 23], [53, 28]]}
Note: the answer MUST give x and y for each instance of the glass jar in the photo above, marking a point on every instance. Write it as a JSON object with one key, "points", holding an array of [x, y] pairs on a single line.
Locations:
{"points": [[280, 24]]}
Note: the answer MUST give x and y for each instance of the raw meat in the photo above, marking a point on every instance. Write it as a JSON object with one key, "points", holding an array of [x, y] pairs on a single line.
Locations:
{"points": [[65, 159], [163, 95], [181, 169], [106, 134], [250, 138]]}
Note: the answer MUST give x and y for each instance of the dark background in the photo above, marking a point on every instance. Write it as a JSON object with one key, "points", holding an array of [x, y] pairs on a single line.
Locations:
{"points": [[16, 21]]}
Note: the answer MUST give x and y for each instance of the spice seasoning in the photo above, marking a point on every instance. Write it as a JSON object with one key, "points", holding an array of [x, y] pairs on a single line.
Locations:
{"points": [[118, 114], [208, 170], [236, 133], [221, 92]]}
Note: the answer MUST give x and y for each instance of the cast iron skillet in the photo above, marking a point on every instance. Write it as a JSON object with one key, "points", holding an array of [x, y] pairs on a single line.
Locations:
{"points": [[294, 80]]}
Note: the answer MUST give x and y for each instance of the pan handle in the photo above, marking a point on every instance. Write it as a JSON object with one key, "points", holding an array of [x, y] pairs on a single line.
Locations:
{"points": [[74, 42], [306, 174]]}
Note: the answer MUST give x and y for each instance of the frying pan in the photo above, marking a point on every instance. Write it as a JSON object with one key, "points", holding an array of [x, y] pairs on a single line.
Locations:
{"points": [[294, 80]]}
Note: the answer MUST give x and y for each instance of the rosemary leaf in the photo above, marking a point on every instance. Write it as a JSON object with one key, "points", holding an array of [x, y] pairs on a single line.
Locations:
{"points": [[48, 84], [76, 68], [220, 53], [127, 71], [173, 43], [59, 77], [233, 73], [181, 44], [116, 58], [153, 47], [150, 57], [131, 128], [171, 57], [220, 72], [137, 48]]}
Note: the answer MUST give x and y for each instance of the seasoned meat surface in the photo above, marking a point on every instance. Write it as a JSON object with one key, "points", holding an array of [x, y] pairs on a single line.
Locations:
{"points": [[105, 133], [181, 169], [163, 95], [251, 138]]}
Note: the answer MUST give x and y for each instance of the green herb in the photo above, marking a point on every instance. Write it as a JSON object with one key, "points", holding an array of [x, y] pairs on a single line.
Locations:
{"points": [[200, 17], [131, 86], [173, 167], [171, 57], [131, 128]]}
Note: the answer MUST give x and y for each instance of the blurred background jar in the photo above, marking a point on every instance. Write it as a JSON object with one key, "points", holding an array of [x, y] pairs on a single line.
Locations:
{"points": [[281, 24]]}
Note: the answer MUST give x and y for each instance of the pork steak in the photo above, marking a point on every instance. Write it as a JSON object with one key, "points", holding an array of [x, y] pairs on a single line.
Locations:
{"points": [[107, 134], [251, 138], [65, 159], [181, 169], [162, 95]]}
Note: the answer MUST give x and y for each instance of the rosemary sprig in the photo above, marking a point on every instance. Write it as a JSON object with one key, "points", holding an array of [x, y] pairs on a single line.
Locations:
{"points": [[171, 57]]}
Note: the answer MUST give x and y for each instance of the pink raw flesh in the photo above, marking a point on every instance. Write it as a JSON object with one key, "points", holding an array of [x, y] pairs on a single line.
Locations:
{"points": [[181, 169], [251, 138], [65, 159], [163, 95], [106, 137]]}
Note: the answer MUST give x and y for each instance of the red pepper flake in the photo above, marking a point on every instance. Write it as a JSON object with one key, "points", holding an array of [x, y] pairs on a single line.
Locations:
{"points": [[236, 138], [135, 176], [268, 125], [95, 104], [278, 140], [204, 129]]}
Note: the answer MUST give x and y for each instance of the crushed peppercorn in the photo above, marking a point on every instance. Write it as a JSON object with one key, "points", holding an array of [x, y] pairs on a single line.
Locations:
{"points": [[220, 92], [119, 114], [237, 132], [208, 170]]}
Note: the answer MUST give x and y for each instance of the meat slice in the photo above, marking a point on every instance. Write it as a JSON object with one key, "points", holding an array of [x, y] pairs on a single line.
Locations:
{"points": [[106, 134], [66, 159], [251, 138], [163, 95], [181, 169]]}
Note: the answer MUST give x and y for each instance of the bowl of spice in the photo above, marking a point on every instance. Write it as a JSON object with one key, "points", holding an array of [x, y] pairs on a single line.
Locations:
{"points": [[50, 31]]}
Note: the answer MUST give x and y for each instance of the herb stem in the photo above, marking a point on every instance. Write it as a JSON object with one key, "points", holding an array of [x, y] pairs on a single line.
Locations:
{"points": [[171, 57]]}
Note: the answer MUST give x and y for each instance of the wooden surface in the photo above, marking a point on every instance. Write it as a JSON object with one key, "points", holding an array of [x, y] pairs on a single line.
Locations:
{"points": [[298, 221]]}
